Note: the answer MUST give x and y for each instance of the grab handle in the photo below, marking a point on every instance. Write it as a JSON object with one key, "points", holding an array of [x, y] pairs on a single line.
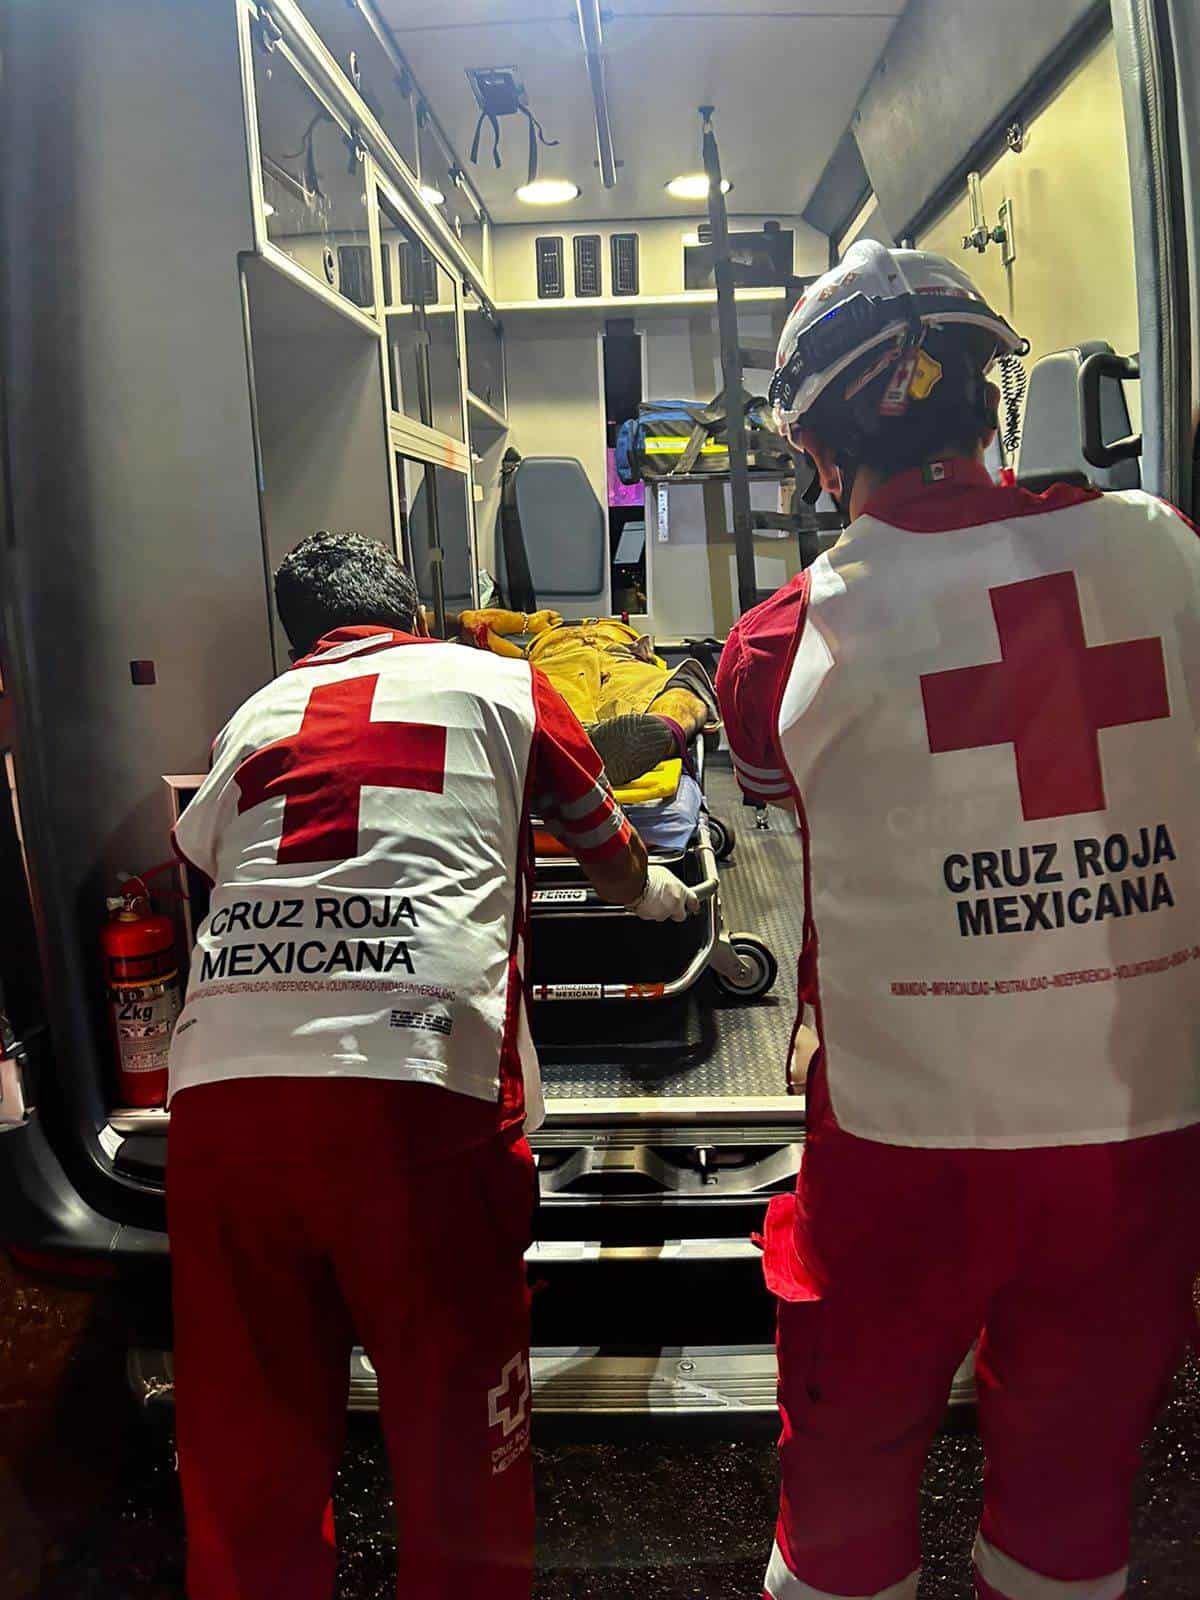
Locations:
{"points": [[1093, 370]]}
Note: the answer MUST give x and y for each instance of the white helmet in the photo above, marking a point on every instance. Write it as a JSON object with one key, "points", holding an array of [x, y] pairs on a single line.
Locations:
{"points": [[875, 299]]}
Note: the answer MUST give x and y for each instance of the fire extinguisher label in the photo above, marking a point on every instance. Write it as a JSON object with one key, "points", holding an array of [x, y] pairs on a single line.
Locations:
{"points": [[145, 1020]]}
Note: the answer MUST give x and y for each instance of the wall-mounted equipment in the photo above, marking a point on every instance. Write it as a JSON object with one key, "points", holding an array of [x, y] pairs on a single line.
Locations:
{"points": [[551, 283], [981, 236], [761, 260], [587, 265], [625, 272], [1008, 245], [499, 92]]}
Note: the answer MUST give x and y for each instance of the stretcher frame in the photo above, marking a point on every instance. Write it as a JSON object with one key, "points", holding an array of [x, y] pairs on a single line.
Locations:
{"points": [[564, 902], [569, 901]]}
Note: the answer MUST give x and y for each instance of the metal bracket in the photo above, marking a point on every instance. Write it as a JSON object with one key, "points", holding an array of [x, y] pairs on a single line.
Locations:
{"points": [[1004, 233]]}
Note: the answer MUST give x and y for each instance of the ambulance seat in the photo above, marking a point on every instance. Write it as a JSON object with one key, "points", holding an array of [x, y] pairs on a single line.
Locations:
{"points": [[1052, 435], [565, 532]]}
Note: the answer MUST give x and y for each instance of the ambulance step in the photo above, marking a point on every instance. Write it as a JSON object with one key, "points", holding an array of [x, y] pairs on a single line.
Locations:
{"points": [[705, 1380]]}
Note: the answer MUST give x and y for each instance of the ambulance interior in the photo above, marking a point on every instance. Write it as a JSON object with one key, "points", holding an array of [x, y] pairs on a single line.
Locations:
{"points": [[281, 294]]}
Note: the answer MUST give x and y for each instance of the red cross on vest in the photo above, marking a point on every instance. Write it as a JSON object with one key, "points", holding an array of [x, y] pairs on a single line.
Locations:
{"points": [[322, 769], [1048, 697]]}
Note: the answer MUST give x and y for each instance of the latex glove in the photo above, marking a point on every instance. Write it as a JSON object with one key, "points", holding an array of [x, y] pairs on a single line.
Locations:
{"points": [[665, 898]]}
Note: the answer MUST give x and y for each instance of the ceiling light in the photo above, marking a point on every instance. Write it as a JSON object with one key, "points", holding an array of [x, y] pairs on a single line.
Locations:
{"points": [[694, 186], [548, 192], [435, 197], [268, 209]]}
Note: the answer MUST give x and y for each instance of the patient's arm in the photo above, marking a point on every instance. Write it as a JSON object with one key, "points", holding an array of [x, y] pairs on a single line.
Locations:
{"points": [[490, 629]]}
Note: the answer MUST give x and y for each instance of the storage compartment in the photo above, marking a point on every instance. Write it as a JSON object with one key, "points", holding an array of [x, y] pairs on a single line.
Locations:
{"points": [[319, 416], [314, 185]]}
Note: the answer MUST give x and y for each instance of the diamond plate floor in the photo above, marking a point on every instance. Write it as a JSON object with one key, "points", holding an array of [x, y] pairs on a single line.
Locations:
{"points": [[759, 888]]}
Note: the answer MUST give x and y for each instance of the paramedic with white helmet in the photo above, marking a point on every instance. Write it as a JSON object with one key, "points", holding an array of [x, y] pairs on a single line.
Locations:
{"points": [[350, 1082], [982, 706]]}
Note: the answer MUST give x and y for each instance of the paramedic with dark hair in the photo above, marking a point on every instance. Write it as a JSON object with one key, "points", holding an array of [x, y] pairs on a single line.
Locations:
{"points": [[350, 1082], [977, 706]]}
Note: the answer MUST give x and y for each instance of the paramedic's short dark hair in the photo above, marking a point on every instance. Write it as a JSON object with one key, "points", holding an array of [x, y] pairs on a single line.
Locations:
{"points": [[341, 580]]}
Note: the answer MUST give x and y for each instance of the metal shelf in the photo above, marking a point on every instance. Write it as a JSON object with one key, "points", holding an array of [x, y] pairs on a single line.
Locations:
{"points": [[717, 477], [642, 305]]}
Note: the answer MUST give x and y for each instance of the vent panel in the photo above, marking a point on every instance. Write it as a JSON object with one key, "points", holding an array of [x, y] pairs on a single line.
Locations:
{"points": [[587, 266], [418, 275], [625, 263], [550, 275]]}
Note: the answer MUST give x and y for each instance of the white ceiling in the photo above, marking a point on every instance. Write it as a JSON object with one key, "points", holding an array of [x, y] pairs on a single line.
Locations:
{"points": [[784, 76]]}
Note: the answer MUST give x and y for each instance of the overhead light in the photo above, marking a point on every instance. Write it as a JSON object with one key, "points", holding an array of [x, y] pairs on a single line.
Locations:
{"points": [[548, 192], [694, 186], [268, 209], [435, 197]]}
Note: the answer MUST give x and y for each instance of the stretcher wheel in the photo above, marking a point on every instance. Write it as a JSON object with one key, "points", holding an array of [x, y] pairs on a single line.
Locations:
{"points": [[723, 838], [762, 969]]}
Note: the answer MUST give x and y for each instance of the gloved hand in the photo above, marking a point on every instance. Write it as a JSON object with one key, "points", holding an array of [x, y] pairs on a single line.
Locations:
{"points": [[665, 898]]}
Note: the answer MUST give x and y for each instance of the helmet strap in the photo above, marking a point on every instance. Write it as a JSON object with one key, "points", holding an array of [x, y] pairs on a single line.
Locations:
{"points": [[848, 466]]}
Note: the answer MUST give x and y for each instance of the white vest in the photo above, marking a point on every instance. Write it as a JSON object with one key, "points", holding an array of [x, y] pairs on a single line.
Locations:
{"points": [[993, 731], [369, 909]]}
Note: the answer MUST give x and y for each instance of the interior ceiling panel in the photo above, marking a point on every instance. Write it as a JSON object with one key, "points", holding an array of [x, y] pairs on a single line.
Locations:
{"points": [[784, 77]]}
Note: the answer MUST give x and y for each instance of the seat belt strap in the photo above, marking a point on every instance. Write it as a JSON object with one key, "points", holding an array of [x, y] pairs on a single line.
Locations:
{"points": [[518, 581]]}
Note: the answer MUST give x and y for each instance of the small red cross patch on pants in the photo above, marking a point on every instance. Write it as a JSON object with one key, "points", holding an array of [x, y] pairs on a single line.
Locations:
{"points": [[1048, 696]]}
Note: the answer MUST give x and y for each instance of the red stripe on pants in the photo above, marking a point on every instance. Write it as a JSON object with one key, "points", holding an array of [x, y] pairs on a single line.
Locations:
{"points": [[1077, 1263], [303, 1213]]}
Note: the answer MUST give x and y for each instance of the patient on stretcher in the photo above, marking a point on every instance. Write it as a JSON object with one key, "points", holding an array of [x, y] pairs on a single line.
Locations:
{"points": [[638, 711]]}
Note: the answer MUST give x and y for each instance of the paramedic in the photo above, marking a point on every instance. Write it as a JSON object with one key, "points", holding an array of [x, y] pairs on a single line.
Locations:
{"points": [[981, 704], [350, 1081]]}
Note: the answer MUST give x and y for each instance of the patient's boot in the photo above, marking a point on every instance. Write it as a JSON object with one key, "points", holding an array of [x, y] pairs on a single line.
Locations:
{"points": [[634, 744]]}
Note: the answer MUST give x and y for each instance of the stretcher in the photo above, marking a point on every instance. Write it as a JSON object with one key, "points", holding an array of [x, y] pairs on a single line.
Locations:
{"points": [[585, 951]]}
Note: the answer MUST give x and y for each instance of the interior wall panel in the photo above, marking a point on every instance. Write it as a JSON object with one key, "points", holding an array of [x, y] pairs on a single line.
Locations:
{"points": [[1073, 278], [948, 73]]}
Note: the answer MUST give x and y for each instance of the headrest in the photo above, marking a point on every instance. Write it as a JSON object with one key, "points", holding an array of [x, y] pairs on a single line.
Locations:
{"points": [[1051, 437], [564, 526]]}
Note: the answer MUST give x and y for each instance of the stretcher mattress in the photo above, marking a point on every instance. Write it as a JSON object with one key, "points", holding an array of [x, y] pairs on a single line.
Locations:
{"points": [[664, 805], [669, 824]]}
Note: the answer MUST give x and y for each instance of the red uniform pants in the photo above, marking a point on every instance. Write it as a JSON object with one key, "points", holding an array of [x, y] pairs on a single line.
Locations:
{"points": [[1076, 1263], [303, 1213]]}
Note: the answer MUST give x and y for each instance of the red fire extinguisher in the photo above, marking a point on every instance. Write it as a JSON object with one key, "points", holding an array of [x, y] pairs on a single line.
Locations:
{"points": [[141, 976]]}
